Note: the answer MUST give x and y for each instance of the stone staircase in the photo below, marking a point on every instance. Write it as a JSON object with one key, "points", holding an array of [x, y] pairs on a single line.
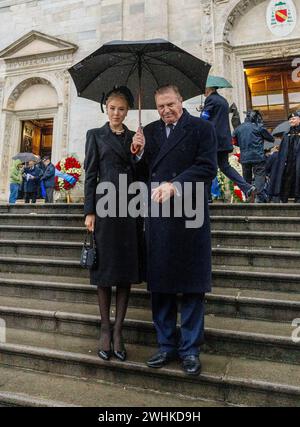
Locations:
{"points": [[49, 357]]}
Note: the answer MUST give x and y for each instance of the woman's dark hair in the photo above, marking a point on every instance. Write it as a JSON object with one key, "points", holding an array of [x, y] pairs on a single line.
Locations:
{"points": [[122, 92]]}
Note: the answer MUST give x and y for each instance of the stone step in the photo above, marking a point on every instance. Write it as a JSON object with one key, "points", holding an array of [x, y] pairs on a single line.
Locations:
{"points": [[277, 306], [276, 279], [29, 388], [42, 219], [32, 265], [255, 239], [33, 248], [230, 380], [31, 232], [255, 223], [239, 209], [222, 256], [268, 209], [267, 279], [282, 251], [261, 258], [222, 238], [57, 208], [224, 335]]}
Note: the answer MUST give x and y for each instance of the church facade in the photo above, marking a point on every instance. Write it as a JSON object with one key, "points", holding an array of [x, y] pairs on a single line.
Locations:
{"points": [[253, 43]]}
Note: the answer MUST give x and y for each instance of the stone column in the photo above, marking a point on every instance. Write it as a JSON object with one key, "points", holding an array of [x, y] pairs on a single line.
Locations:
{"points": [[111, 20], [9, 131], [207, 27], [156, 19]]}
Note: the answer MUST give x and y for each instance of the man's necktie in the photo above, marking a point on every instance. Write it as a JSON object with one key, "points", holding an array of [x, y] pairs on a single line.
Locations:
{"points": [[170, 129]]}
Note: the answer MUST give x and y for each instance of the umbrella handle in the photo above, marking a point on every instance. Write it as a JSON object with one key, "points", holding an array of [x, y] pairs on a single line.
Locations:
{"points": [[134, 150], [140, 90]]}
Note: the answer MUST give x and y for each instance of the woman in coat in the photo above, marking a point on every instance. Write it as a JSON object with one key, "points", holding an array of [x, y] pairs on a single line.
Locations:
{"points": [[108, 159], [286, 181]]}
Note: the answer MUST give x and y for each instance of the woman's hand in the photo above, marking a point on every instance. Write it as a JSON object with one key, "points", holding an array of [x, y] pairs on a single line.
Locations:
{"points": [[138, 142], [90, 222]]}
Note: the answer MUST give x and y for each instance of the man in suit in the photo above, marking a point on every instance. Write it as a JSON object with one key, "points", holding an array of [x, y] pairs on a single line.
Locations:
{"points": [[48, 178], [216, 110], [175, 150]]}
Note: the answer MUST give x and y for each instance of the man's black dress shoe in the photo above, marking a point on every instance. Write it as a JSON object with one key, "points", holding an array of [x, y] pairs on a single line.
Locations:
{"points": [[121, 355], [161, 359], [191, 365], [105, 355]]}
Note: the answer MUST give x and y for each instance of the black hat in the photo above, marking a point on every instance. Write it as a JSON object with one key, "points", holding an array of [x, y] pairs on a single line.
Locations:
{"points": [[294, 114], [118, 89]]}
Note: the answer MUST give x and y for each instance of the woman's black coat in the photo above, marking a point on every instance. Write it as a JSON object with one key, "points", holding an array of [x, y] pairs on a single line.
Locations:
{"points": [[276, 182], [117, 239]]}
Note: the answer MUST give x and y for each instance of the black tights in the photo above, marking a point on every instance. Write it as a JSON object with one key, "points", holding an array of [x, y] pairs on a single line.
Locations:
{"points": [[104, 299]]}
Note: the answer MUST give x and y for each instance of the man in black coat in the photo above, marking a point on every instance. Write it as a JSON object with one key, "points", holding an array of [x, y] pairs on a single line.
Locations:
{"points": [[178, 149], [48, 179], [250, 137], [285, 183], [216, 110], [31, 182]]}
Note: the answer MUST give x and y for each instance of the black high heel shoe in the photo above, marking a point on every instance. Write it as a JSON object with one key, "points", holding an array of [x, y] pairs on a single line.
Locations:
{"points": [[120, 355], [105, 355]]}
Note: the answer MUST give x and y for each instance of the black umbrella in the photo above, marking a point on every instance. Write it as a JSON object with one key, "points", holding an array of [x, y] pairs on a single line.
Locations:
{"points": [[142, 66], [281, 128]]}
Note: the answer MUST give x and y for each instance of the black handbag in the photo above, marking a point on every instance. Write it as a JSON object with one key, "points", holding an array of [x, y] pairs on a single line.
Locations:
{"points": [[88, 257]]}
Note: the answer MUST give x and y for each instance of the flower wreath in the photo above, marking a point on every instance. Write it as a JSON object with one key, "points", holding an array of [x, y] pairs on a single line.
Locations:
{"points": [[67, 173]]}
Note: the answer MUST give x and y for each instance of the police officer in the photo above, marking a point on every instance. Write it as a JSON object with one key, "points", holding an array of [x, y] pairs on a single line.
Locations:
{"points": [[216, 110], [250, 137]]}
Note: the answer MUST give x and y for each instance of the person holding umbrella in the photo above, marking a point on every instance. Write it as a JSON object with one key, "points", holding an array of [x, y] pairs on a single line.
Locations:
{"points": [[107, 157], [177, 149], [216, 110], [285, 183], [143, 66]]}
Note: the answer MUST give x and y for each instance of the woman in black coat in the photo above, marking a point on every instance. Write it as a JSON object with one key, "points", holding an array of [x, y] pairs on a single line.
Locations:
{"points": [[286, 181], [108, 159]]}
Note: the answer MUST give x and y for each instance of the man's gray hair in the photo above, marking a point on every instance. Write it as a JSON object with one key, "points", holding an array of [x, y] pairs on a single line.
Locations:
{"points": [[166, 88]]}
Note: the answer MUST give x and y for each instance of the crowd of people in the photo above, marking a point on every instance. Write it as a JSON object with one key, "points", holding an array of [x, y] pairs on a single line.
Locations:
{"points": [[269, 174], [32, 180]]}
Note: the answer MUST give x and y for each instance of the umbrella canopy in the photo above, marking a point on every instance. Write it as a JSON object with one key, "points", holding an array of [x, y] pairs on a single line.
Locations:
{"points": [[282, 128], [218, 82], [26, 157], [142, 66]]}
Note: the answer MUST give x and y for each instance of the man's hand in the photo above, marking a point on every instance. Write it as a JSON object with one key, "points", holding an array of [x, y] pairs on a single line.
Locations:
{"points": [[90, 222], [163, 193], [138, 142]]}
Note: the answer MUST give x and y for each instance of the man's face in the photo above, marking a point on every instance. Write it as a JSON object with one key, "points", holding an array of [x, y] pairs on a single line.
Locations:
{"points": [[169, 106], [295, 121], [31, 164], [46, 162]]}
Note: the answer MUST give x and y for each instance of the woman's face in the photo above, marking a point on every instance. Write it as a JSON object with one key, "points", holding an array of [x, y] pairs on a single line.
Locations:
{"points": [[295, 121], [117, 110]]}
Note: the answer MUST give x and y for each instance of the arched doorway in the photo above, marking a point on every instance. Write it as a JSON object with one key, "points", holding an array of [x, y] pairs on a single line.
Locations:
{"points": [[31, 121]]}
